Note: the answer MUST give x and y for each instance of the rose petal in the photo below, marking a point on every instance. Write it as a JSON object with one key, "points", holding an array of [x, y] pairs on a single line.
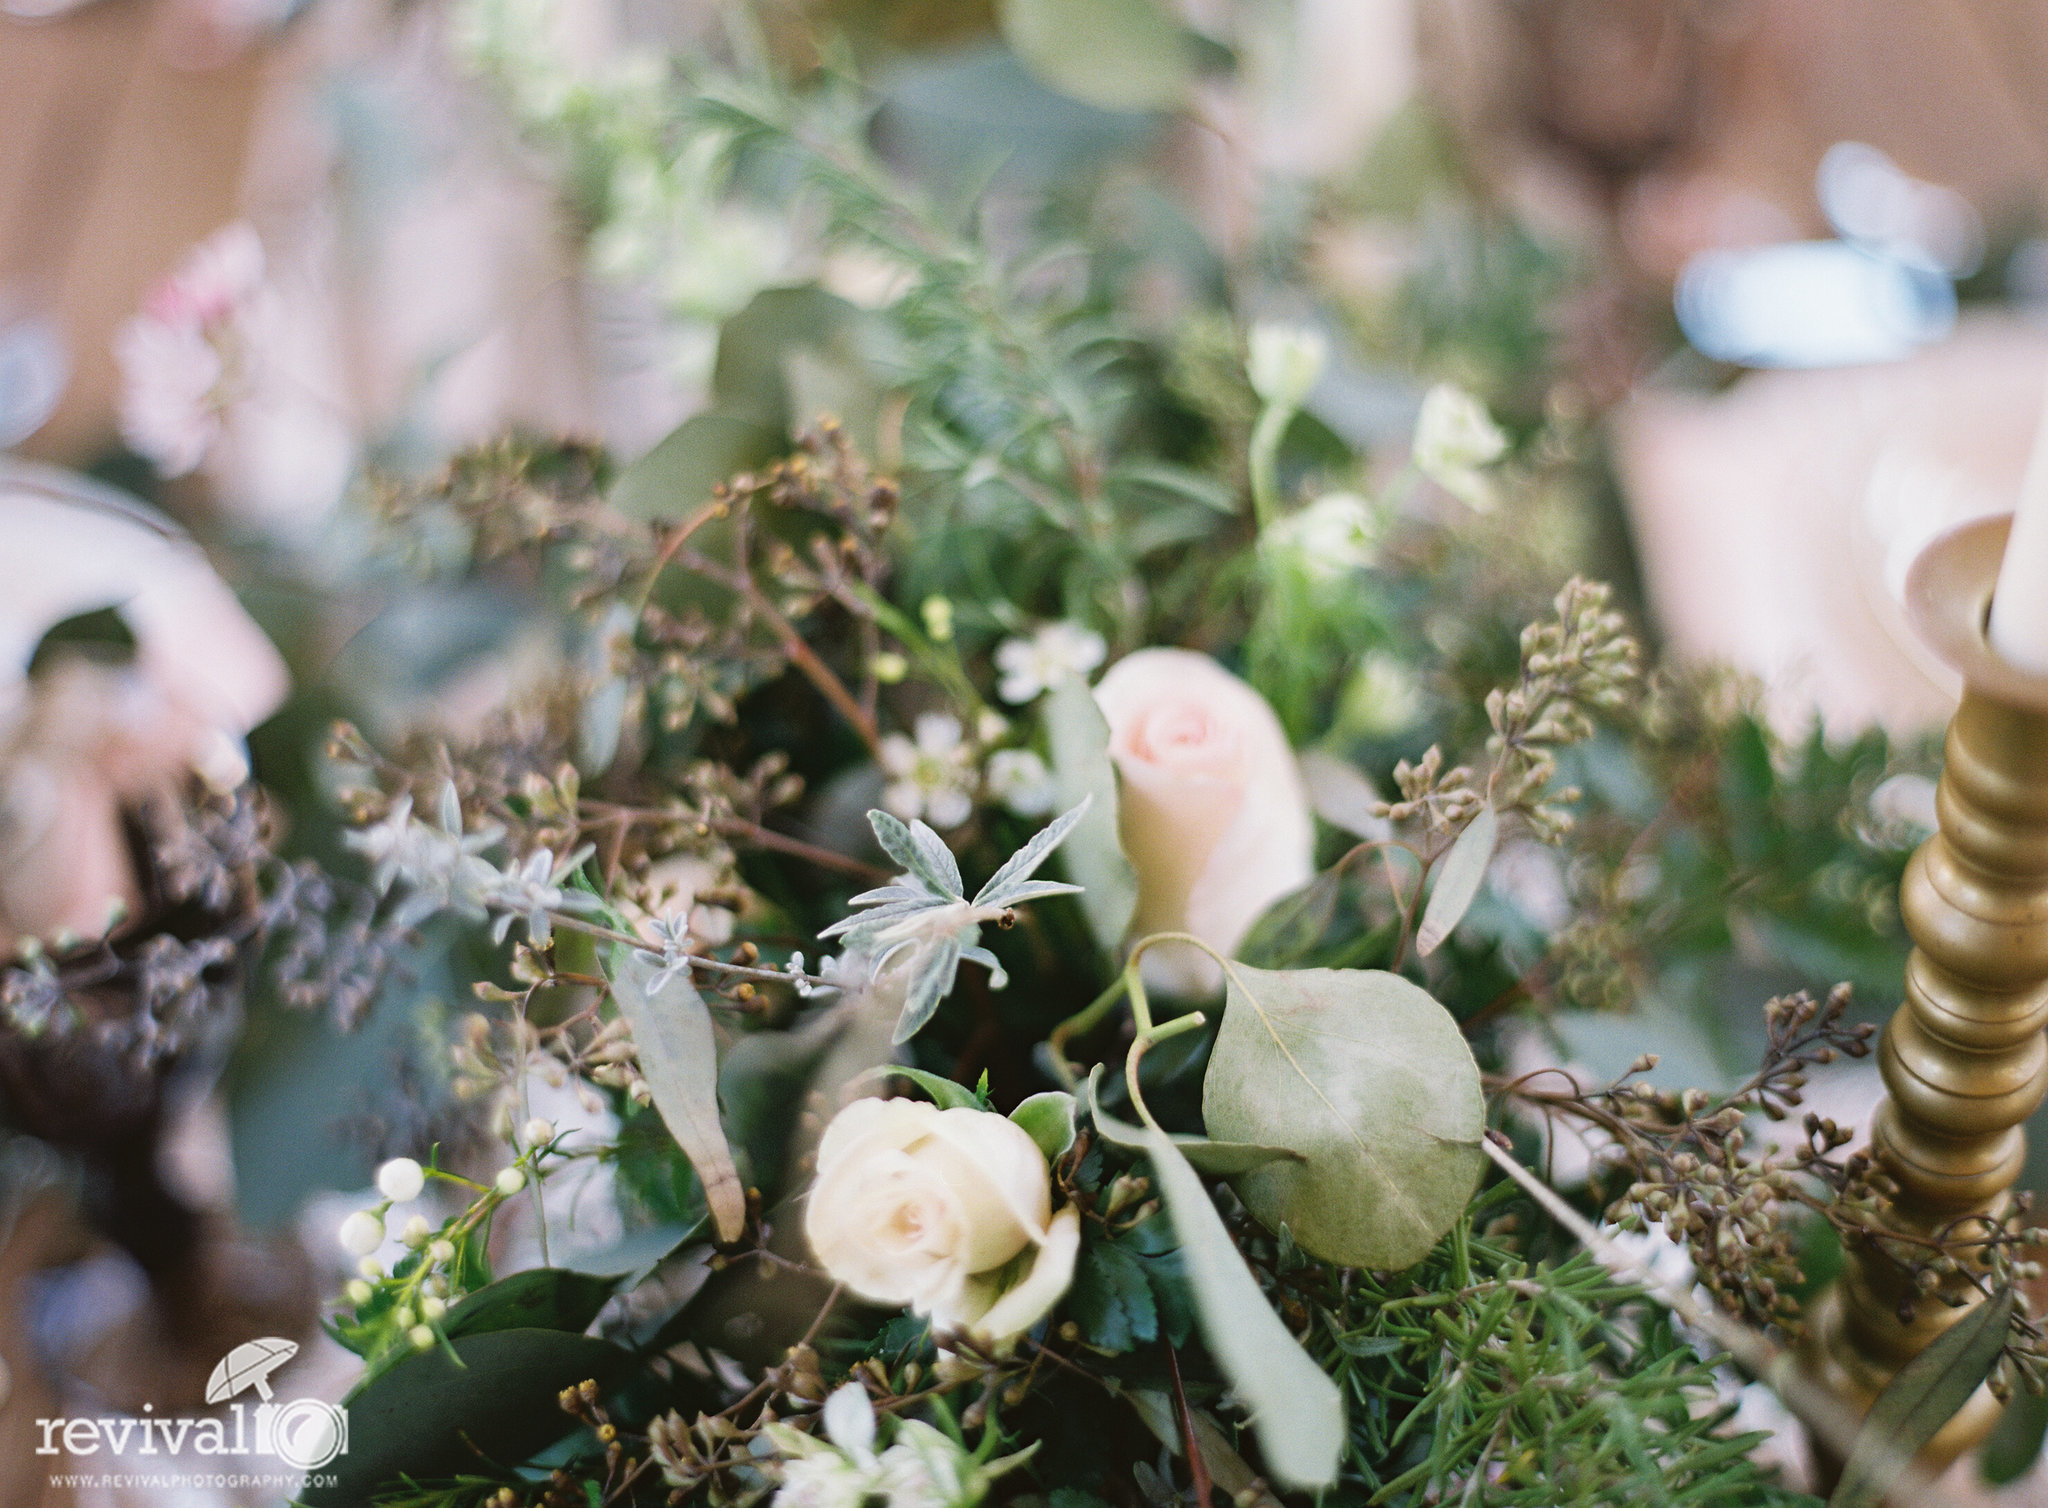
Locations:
{"points": [[1051, 1274]]}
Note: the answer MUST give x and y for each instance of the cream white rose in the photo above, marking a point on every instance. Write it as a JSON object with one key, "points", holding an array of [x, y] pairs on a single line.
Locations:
{"points": [[935, 1210], [1212, 812]]}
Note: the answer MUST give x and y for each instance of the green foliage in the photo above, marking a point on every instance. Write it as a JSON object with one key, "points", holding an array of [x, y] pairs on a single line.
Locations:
{"points": [[1366, 1077], [429, 1415], [1927, 1392], [1298, 1415], [1117, 54], [1544, 1383], [672, 1031]]}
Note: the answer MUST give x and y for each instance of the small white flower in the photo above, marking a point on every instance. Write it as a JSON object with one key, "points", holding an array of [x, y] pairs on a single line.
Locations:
{"points": [[418, 1231], [1035, 665], [1380, 699], [441, 1252], [932, 776], [1285, 362], [850, 1421], [1454, 439], [438, 862], [421, 1337], [539, 1132], [825, 1480], [1331, 536], [531, 890], [1019, 779], [671, 932], [925, 1469], [510, 1182], [358, 1292], [361, 1234], [401, 1180], [432, 1308]]}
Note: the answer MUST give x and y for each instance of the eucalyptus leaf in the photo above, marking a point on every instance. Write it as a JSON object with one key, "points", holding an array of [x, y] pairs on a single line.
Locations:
{"points": [[1083, 772], [1369, 1079], [1227, 1159], [1114, 54], [1928, 1391], [1458, 881], [1296, 1411], [676, 477], [1048, 1119], [679, 1059]]}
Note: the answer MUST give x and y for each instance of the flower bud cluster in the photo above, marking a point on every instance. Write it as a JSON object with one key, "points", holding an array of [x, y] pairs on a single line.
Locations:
{"points": [[1584, 662]]}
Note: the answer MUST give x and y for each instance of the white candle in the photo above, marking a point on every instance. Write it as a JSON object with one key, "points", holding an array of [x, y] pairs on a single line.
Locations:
{"points": [[2019, 608]]}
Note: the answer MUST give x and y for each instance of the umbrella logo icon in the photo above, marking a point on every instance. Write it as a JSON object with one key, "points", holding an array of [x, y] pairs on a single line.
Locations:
{"points": [[249, 1365]]}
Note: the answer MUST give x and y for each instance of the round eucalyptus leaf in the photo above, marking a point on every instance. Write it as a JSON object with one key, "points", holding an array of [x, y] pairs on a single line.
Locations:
{"points": [[1368, 1079]]}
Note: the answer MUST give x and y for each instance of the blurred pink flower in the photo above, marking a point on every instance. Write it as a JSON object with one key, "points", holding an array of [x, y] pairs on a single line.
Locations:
{"points": [[185, 359]]}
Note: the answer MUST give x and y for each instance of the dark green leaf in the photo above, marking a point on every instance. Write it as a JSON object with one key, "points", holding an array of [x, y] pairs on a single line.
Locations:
{"points": [[946, 1094], [2015, 1445], [1928, 1391], [676, 477], [1111, 1299], [541, 1298], [428, 1416]]}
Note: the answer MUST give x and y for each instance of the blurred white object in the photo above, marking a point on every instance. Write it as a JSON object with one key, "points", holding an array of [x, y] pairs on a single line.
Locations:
{"points": [[34, 366], [85, 739], [2019, 606], [1775, 520], [1869, 199], [1812, 304]]}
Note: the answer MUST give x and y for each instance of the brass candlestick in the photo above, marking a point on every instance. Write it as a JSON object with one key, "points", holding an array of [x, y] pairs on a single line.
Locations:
{"points": [[1964, 1057]]}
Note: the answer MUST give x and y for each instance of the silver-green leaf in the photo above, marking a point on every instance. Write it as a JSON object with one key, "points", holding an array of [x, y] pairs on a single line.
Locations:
{"points": [[679, 1059], [1296, 1411], [1458, 881], [1115, 54], [1083, 772], [1370, 1081]]}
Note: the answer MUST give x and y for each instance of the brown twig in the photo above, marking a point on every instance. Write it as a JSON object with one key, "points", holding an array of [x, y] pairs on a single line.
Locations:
{"points": [[1198, 1468]]}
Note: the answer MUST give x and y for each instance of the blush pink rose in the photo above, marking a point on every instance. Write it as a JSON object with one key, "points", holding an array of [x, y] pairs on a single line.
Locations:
{"points": [[1213, 816]]}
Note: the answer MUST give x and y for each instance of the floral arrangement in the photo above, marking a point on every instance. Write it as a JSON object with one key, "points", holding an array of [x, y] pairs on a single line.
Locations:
{"points": [[1019, 916]]}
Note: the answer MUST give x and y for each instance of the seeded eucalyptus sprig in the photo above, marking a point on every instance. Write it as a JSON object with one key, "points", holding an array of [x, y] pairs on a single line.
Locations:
{"points": [[1585, 661], [923, 922]]}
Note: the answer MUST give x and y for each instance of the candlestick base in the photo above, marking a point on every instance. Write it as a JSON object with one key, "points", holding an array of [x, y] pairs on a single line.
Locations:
{"points": [[1964, 1057]]}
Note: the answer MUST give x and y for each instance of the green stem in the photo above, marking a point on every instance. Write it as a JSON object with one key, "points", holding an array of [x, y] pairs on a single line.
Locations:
{"points": [[1079, 1024], [1262, 461]]}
